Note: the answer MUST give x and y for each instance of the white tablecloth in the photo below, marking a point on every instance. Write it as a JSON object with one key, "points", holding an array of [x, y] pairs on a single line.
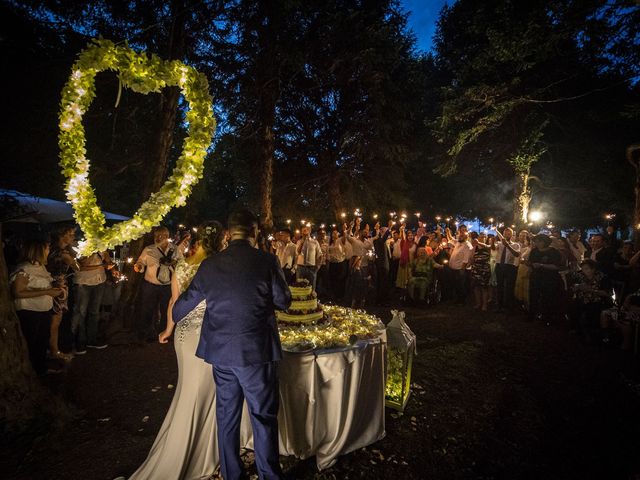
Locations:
{"points": [[331, 401]]}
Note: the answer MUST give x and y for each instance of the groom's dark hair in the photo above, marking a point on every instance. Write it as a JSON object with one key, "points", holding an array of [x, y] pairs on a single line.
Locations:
{"points": [[243, 220]]}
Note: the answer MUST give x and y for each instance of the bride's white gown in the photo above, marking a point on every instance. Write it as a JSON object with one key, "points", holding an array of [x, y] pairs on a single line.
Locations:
{"points": [[186, 447]]}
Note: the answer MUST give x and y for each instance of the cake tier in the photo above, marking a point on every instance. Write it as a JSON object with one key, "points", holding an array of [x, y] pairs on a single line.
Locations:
{"points": [[299, 318], [300, 292], [310, 304]]}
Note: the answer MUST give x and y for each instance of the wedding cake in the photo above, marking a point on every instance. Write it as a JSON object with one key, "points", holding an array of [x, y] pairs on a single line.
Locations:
{"points": [[304, 308]]}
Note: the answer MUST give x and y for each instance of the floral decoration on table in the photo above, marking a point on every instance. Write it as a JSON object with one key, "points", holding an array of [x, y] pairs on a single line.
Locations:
{"points": [[143, 74], [346, 326]]}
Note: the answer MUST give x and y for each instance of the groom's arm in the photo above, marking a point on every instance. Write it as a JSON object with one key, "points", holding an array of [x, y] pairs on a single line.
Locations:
{"points": [[190, 298]]}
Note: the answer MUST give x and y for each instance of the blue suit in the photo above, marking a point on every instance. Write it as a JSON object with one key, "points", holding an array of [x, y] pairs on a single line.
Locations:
{"points": [[242, 287]]}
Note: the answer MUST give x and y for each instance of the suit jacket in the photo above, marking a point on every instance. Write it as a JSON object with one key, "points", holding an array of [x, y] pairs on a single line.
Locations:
{"points": [[382, 252], [242, 286]]}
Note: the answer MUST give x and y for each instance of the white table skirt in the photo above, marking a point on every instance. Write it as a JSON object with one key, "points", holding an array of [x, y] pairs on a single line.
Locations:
{"points": [[331, 401]]}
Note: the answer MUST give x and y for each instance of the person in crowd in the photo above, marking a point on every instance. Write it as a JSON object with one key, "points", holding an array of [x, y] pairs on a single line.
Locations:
{"points": [[601, 253], [507, 254], [577, 249], [309, 256], [359, 280], [521, 292], [61, 263], [157, 261], [460, 262], [382, 262], [623, 321], [394, 246], [421, 280], [441, 251], [323, 267], [285, 250], [545, 284], [338, 266], [33, 293], [89, 282], [361, 244], [592, 294], [611, 237], [407, 249], [624, 264], [493, 261], [480, 271]]}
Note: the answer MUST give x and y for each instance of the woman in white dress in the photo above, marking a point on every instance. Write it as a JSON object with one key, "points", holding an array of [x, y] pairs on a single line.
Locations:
{"points": [[186, 446]]}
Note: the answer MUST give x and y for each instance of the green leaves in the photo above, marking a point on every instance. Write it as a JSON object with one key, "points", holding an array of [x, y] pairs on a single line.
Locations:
{"points": [[143, 74]]}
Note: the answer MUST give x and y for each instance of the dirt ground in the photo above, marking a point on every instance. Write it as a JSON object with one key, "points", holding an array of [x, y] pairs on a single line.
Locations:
{"points": [[494, 396]]}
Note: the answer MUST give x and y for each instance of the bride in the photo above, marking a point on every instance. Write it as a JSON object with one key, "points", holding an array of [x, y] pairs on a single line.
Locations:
{"points": [[186, 446]]}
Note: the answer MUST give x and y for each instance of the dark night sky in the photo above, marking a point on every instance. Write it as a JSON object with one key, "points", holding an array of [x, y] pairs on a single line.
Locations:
{"points": [[422, 19]]}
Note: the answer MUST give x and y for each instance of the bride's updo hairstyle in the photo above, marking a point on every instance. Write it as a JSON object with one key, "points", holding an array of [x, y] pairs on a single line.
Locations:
{"points": [[210, 235]]}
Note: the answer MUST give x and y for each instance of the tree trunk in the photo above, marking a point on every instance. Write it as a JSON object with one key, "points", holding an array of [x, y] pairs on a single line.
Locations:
{"points": [[335, 195], [266, 157], [22, 398], [268, 91], [522, 199]]}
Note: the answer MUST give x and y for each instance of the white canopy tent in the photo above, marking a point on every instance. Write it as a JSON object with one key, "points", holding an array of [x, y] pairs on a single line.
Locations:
{"points": [[32, 209]]}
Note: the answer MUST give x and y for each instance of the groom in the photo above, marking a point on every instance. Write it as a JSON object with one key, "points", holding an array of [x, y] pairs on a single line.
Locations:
{"points": [[242, 286]]}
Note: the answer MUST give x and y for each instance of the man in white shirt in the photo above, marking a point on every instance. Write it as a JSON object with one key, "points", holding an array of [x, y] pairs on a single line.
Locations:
{"points": [[286, 253], [157, 262], [460, 262], [309, 254], [577, 249], [89, 283], [507, 261], [396, 252]]}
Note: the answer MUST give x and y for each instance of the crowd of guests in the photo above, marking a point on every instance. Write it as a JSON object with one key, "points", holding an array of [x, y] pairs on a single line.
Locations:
{"points": [[550, 277], [593, 283]]}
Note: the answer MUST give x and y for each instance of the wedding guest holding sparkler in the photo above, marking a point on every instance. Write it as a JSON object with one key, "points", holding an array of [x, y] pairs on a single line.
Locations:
{"points": [[382, 262], [601, 253], [157, 261], [591, 295], [625, 272], [507, 253], [480, 271], [622, 320], [394, 246], [33, 293], [460, 262], [421, 281], [522, 279], [338, 266], [61, 263], [309, 255], [407, 248], [89, 283], [577, 250], [323, 266], [545, 285], [285, 250]]}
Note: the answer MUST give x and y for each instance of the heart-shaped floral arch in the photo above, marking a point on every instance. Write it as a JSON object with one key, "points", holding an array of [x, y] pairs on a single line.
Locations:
{"points": [[142, 74]]}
